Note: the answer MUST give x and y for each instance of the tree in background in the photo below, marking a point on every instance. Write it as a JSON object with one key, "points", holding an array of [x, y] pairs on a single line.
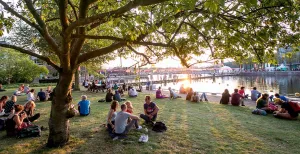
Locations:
{"points": [[16, 67], [75, 31]]}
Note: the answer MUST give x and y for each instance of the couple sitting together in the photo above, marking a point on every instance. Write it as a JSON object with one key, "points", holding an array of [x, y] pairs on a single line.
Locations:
{"points": [[289, 110], [194, 96], [119, 123]]}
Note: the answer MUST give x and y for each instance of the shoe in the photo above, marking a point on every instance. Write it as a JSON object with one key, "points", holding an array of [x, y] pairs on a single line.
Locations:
{"points": [[139, 128], [115, 138], [145, 138], [206, 100], [141, 138], [200, 100], [243, 105]]}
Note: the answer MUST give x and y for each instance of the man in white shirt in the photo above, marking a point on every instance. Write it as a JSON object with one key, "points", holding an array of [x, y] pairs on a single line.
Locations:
{"points": [[132, 92]]}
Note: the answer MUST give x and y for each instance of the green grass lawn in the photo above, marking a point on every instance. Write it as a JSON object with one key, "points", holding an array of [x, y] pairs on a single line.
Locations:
{"points": [[192, 128]]}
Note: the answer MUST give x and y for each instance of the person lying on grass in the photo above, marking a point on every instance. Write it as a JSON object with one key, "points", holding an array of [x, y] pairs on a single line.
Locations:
{"points": [[289, 110], [150, 110], [121, 126], [112, 114], [159, 94]]}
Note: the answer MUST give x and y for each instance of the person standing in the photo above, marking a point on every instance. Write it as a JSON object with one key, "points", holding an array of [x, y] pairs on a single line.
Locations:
{"points": [[150, 110]]}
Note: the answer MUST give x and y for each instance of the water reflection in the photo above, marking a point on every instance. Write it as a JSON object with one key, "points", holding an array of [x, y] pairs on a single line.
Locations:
{"points": [[270, 84]]}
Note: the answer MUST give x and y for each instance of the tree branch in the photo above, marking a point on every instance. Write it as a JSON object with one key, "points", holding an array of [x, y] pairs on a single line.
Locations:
{"points": [[44, 31], [73, 8], [13, 12], [203, 36], [97, 37], [102, 18], [46, 59], [141, 54]]}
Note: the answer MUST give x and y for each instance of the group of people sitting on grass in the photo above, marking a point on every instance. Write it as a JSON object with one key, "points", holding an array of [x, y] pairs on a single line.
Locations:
{"points": [[120, 122], [264, 103], [16, 116], [191, 95]]}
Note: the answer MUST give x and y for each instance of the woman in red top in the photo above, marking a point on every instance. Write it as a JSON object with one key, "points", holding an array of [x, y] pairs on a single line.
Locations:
{"points": [[129, 107]]}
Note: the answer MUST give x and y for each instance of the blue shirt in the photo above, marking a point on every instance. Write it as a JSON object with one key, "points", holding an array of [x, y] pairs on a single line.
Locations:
{"points": [[283, 98], [84, 107], [42, 95]]}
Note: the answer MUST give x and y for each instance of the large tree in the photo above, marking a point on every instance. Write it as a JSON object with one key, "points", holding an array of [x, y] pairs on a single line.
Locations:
{"points": [[75, 31]]}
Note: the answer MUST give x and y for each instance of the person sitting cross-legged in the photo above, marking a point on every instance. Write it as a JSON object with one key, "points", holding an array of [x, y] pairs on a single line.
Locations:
{"points": [[84, 106], [159, 94], [121, 126], [41, 95], [132, 92], [150, 110], [263, 102], [109, 96], [29, 108]]}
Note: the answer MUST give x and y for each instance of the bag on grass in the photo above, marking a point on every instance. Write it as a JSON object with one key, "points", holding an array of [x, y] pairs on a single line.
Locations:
{"points": [[159, 127], [30, 131]]}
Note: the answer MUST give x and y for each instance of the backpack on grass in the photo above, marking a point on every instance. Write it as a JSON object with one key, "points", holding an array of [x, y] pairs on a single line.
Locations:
{"points": [[30, 131], [159, 127]]}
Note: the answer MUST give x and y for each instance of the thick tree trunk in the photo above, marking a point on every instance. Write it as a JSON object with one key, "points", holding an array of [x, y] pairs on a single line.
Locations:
{"points": [[60, 112], [77, 83]]}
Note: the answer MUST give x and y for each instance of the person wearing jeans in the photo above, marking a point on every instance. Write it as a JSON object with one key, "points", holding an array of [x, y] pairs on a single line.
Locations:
{"points": [[150, 110], [203, 95], [121, 126]]}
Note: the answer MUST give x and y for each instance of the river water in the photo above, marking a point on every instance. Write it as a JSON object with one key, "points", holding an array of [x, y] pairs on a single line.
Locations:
{"points": [[265, 84]]}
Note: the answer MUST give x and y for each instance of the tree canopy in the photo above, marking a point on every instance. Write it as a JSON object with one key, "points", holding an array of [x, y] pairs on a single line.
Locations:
{"points": [[16, 67], [179, 28]]}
